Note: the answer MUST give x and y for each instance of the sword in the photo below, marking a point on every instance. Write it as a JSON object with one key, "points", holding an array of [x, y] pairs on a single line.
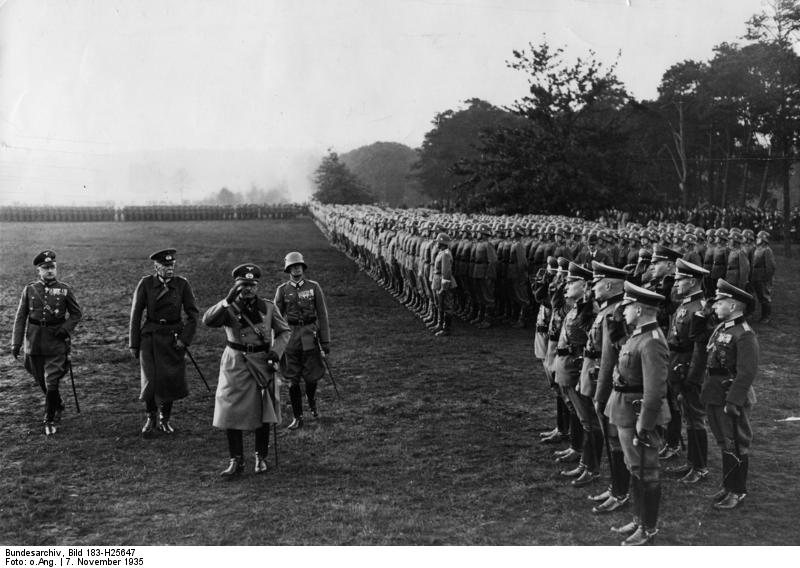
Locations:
{"points": [[72, 378], [327, 367], [74, 392], [186, 348]]}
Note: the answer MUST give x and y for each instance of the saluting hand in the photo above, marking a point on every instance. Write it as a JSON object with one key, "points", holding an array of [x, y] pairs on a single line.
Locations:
{"points": [[233, 293]]}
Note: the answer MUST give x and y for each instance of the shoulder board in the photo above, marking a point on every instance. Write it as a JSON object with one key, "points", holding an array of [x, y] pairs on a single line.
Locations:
{"points": [[656, 333], [746, 326], [64, 284], [313, 282]]}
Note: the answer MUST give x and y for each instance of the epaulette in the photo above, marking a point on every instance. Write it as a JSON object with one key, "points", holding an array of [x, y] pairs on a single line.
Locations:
{"points": [[656, 333], [746, 326]]}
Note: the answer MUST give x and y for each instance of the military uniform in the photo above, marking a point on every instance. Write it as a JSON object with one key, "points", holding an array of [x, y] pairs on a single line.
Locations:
{"points": [[155, 339], [302, 303], [443, 285], [686, 370], [248, 394], [640, 380], [761, 274], [46, 316], [728, 395], [600, 359], [584, 426]]}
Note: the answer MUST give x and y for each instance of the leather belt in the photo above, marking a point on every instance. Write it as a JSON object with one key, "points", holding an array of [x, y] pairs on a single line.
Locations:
{"points": [[293, 321], [163, 321], [248, 348], [629, 388], [43, 323]]}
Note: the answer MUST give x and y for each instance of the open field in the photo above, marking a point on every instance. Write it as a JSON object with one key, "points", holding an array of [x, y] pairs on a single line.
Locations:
{"points": [[434, 441]]}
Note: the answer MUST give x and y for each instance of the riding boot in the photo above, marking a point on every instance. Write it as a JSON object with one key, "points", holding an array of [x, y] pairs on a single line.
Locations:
{"points": [[51, 401], [701, 453], [311, 395], [598, 446], [766, 311], [575, 432], [164, 416], [729, 465], [262, 440], [651, 494], [296, 399], [562, 415], [741, 475], [621, 480]]}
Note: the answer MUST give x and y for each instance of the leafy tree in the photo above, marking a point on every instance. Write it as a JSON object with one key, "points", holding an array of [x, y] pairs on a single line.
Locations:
{"points": [[337, 184], [456, 136], [570, 151], [775, 32], [385, 167]]}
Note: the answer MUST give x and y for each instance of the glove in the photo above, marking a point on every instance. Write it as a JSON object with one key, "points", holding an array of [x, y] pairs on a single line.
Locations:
{"points": [[61, 333], [326, 348], [273, 357], [233, 293], [643, 438], [732, 410], [15, 351], [134, 352]]}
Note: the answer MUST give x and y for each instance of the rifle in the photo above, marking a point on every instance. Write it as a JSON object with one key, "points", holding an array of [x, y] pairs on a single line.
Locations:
{"points": [[327, 367]]}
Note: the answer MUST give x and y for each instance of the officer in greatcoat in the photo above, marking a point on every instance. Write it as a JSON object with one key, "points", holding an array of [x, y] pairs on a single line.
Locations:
{"points": [[248, 392], [302, 302], [46, 316], [159, 339]]}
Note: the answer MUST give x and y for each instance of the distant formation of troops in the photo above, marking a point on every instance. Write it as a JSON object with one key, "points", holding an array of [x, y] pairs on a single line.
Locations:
{"points": [[33, 214], [290, 335], [641, 332]]}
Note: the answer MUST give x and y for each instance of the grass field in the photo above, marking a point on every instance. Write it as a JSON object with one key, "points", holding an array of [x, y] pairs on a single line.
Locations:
{"points": [[433, 442]]}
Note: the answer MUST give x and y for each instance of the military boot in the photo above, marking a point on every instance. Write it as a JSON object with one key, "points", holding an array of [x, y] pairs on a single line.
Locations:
{"points": [[641, 537], [766, 311], [150, 424], [261, 463], [235, 467]]}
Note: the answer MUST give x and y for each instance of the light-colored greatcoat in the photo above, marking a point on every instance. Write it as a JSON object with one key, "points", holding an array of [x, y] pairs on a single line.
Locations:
{"points": [[241, 402]]}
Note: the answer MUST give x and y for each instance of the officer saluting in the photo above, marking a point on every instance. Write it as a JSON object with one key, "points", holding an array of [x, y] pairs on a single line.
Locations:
{"points": [[637, 405], [728, 392], [47, 313], [302, 302], [160, 339], [248, 396]]}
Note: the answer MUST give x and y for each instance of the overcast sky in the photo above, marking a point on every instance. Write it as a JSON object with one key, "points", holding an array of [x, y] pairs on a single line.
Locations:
{"points": [[87, 85]]}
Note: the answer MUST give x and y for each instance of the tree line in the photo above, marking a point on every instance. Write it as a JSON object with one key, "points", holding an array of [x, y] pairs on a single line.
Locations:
{"points": [[721, 132]]}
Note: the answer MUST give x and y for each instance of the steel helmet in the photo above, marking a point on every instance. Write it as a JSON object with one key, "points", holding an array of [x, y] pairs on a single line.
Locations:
{"points": [[293, 258]]}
